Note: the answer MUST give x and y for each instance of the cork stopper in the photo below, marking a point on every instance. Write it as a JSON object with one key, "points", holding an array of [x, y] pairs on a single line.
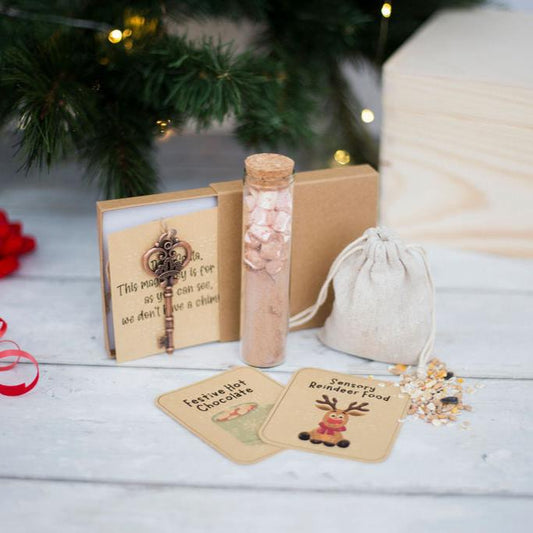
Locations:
{"points": [[268, 167]]}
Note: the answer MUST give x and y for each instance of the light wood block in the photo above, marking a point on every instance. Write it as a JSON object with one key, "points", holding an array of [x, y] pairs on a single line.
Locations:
{"points": [[457, 137]]}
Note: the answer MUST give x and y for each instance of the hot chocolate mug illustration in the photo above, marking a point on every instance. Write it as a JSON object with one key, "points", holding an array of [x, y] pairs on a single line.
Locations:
{"points": [[329, 430], [243, 421]]}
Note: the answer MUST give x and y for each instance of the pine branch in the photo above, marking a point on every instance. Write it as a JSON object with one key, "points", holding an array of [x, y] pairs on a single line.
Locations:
{"points": [[54, 109], [122, 165], [203, 81], [71, 91], [279, 113]]}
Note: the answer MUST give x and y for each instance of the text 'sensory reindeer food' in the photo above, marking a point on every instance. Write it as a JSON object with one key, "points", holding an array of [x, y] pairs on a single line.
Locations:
{"points": [[361, 420]]}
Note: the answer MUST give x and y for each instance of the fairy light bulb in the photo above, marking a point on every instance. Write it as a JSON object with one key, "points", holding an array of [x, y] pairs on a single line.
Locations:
{"points": [[163, 125], [342, 157], [114, 36], [367, 116], [386, 10], [136, 21]]}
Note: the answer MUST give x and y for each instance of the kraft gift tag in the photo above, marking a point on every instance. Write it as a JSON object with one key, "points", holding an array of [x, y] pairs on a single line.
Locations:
{"points": [[337, 414], [226, 411], [137, 298]]}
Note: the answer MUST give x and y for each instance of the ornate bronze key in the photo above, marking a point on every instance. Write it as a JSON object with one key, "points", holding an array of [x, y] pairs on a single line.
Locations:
{"points": [[163, 262]]}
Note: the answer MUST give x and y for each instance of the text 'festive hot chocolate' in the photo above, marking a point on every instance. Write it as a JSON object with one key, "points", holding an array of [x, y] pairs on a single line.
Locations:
{"points": [[267, 222]]}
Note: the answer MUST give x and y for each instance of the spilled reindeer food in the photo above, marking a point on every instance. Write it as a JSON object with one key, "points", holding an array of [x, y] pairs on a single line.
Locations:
{"points": [[436, 398]]}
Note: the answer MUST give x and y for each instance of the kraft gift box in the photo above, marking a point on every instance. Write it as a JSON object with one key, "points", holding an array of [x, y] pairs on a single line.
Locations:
{"points": [[331, 208]]}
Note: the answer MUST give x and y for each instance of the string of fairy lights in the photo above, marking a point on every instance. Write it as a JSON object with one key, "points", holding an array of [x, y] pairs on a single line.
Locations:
{"points": [[136, 26], [342, 157]]}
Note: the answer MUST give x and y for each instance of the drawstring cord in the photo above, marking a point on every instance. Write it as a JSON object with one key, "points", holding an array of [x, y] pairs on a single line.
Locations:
{"points": [[427, 350], [307, 314]]}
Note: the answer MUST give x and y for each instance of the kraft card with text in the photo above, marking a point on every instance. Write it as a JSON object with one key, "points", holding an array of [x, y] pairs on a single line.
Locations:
{"points": [[226, 411], [137, 299], [337, 414]]}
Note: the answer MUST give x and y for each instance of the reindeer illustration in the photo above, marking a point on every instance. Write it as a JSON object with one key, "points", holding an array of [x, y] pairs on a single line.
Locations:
{"points": [[329, 431]]}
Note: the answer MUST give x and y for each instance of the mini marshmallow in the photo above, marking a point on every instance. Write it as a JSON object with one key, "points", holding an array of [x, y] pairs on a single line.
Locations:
{"points": [[277, 238], [267, 199], [249, 201], [273, 267], [251, 241], [282, 222], [284, 201], [262, 233], [260, 216], [281, 239], [270, 250], [254, 260]]}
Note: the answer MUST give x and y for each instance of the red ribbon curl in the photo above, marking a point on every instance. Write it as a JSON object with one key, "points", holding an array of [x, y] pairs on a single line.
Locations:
{"points": [[13, 244], [21, 388]]}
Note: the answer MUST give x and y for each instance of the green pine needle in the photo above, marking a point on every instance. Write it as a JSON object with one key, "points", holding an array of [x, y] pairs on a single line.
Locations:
{"points": [[69, 92]]}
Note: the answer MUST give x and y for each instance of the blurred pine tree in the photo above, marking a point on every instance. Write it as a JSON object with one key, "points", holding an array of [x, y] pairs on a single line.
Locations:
{"points": [[100, 80]]}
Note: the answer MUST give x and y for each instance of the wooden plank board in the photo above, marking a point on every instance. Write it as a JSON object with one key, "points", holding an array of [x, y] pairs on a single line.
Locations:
{"points": [[456, 134], [473, 271], [59, 322], [68, 248], [109, 508], [447, 47], [67, 245], [454, 181], [99, 424]]}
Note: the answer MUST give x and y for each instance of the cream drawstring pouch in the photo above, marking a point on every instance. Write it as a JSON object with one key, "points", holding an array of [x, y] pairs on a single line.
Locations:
{"points": [[384, 301]]}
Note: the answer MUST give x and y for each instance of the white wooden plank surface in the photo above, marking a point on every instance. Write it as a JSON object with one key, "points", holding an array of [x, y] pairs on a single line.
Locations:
{"points": [[111, 508], [78, 239], [59, 321], [87, 450], [100, 424]]}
